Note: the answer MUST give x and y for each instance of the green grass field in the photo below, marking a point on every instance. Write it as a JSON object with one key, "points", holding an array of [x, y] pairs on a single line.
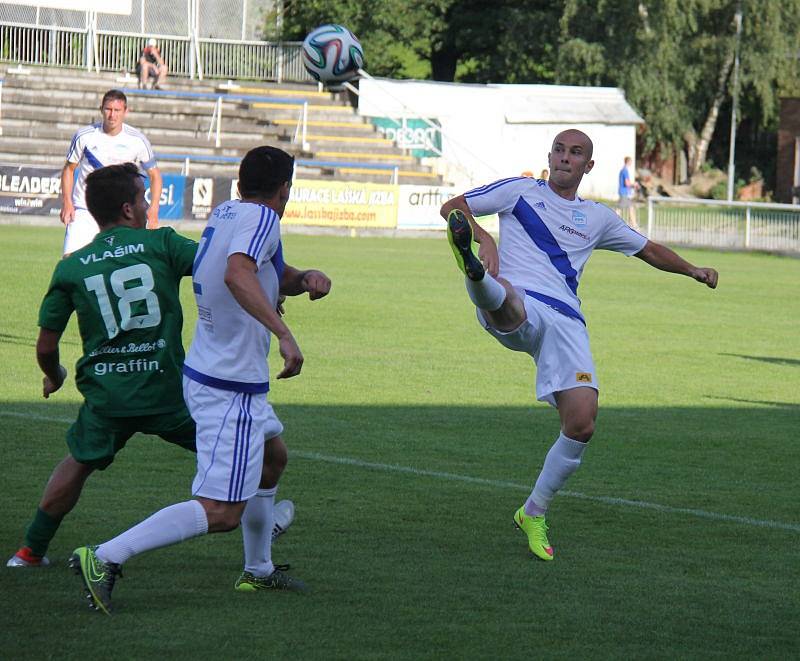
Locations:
{"points": [[413, 438]]}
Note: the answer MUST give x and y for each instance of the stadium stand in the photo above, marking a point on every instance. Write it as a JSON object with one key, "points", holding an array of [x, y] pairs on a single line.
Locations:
{"points": [[42, 108]]}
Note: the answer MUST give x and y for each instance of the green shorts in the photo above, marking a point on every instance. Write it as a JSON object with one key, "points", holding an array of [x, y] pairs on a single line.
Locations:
{"points": [[94, 439]]}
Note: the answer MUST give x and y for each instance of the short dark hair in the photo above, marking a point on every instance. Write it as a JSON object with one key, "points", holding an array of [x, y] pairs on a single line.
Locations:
{"points": [[114, 95], [108, 188], [263, 170]]}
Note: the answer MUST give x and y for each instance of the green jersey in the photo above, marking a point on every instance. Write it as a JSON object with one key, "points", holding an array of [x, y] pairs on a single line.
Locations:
{"points": [[124, 287]]}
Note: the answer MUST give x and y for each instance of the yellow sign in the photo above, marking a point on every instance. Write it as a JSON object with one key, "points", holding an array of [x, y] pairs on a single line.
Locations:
{"points": [[342, 204]]}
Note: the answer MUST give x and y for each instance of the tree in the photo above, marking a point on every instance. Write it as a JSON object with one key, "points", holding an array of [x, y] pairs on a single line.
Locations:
{"points": [[442, 40], [674, 61], [673, 58]]}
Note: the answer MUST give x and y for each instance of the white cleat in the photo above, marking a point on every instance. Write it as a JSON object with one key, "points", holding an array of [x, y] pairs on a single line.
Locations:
{"points": [[17, 560], [284, 515]]}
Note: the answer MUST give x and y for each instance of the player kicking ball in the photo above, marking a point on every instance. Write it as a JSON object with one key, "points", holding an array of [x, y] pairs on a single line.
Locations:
{"points": [[526, 295], [238, 278]]}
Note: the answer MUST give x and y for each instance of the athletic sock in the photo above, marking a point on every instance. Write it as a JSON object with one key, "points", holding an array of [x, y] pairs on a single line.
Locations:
{"points": [[487, 294], [562, 460], [171, 525], [41, 531], [258, 521]]}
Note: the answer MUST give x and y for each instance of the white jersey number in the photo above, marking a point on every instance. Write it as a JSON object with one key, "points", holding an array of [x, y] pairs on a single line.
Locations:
{"points": [[126, 297]]}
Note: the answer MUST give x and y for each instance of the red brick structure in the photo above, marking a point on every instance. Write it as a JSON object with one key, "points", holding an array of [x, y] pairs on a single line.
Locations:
{"points": [[787, 166]]}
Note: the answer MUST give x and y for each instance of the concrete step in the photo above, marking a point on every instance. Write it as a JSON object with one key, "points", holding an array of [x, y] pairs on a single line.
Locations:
{"points": [[78, 102], [20, 147], [200, 169], [80, 107], [30, 145], [338, 130], [91, 93], [157, 136], [108, 79], [365, 156], [20, 121]]}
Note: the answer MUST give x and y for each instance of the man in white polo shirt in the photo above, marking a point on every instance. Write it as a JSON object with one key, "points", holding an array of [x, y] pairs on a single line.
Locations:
{"points": [[108, 142]]}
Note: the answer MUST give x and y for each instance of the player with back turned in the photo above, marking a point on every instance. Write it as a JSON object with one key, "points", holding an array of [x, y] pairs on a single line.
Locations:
{"points": [[239, 276], [526, 295], [124, 288]]}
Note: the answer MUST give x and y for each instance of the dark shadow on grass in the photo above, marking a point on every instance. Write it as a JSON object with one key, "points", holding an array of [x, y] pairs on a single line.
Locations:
{"points": [[442, 437], [391, 527], [790, 362]]}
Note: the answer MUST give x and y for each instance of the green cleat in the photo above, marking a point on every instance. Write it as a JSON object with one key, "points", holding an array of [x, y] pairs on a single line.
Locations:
{"points": [[535, 527], [277, 580], [98, 577], [459, 235]]}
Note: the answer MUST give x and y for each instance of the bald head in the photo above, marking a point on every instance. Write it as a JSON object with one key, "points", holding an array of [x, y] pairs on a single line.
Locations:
{"points": [[574, 136], [570, 159]]}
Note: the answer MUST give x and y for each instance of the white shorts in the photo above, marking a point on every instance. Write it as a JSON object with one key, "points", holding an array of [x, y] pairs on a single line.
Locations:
{"points": [[231, 430], [558, 344], [80, 231]]}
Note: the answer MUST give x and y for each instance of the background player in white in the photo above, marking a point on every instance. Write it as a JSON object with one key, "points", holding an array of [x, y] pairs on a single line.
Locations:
{"points": [[108, 142], [239, 275], [526, 294]]}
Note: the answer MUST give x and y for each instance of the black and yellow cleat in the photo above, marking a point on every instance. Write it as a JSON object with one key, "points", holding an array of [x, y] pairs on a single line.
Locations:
{"points": [[459, 235], [277, 580], [98, 577]]}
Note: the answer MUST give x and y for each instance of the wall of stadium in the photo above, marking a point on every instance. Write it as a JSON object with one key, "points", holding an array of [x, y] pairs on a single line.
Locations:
{"points": [[32, 191]]}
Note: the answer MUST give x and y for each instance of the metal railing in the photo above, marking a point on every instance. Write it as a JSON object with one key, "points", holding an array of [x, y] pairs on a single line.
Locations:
{"points": [[119, 51], [728, 225]]}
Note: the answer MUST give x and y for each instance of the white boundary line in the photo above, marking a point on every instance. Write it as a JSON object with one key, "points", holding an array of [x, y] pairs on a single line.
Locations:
{"points": [[455, 477]]}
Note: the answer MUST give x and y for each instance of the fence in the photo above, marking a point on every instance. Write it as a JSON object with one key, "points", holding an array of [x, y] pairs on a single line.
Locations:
{"points": [[719, 224], [197, 39]]}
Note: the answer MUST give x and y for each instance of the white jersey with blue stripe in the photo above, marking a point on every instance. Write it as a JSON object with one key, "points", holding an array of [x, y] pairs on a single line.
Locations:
{"points": [[546, 240], [92, 148], [229, 349]]}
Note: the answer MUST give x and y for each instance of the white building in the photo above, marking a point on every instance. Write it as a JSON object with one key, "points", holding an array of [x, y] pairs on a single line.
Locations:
{"points": [[494, 131]]}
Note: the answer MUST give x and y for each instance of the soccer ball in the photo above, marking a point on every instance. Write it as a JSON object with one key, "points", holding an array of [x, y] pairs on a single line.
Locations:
{"points": [[332, 55]]}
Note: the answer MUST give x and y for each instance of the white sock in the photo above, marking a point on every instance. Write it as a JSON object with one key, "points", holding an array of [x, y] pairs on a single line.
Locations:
{"points": [[171, 525], [487, 294], [258, 521], [562, 460]]}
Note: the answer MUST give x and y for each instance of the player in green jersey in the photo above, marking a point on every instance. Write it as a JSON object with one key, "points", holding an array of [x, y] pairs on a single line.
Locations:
{"points": [[124, 288]]}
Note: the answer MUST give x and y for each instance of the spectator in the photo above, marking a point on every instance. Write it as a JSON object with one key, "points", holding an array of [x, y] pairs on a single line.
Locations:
{"points": [[627, 193], [545, 175], [151, 65]]}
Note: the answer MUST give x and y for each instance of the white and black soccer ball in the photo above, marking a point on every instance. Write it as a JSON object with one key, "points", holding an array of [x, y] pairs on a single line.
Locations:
{"points": [[332, 54]]}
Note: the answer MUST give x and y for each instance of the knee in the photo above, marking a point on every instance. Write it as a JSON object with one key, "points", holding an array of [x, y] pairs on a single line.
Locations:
{"points": [[226, 523], [223, 517], [580, 429], [276, 456]]}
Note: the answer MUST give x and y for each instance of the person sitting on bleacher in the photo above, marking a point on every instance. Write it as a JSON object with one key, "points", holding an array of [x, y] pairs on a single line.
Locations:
{"points": [[151, 65]]}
